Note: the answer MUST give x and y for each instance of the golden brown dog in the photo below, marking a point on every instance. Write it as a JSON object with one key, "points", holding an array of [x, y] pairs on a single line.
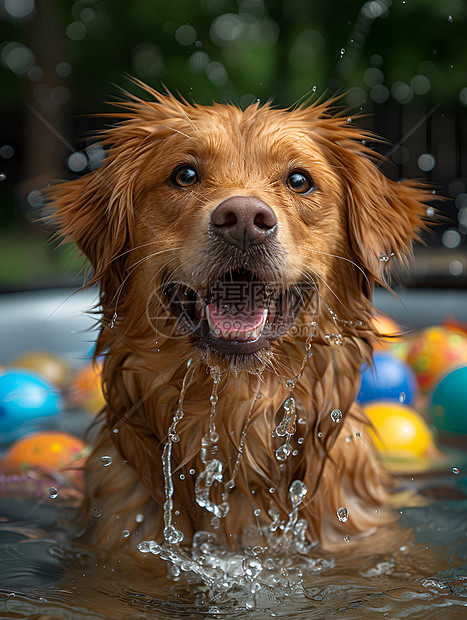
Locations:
{"points": [[236, 253]]}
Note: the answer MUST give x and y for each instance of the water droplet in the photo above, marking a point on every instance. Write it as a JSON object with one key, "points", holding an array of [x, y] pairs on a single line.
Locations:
{"points": [[336, 415], [113, 321], [283, 452], [342, 51], [2, 176], [172, 535], [349, 120], [320, 434], [139, 518], [229, 485], [290, 384], [456, 470], [346, 538], [357, 434], [182, 476], [450, 19], [53, 493], [384, 258], [125, 533], [334, 340], [300, 440], [348, 439], [257, 512], [106, 460], [213, 398], [289, 403], [297, 492], [115, 430], [192, 471], [252, 567], [343, 514], [96, 512], [272, 490], [402, 397]]}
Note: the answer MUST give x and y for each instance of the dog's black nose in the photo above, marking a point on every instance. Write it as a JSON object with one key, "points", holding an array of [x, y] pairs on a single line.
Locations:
{"points": [[244, 221]]}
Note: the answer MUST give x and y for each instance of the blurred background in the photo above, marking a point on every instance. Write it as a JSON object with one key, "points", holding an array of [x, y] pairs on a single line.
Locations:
{"points": [[401, 63]]}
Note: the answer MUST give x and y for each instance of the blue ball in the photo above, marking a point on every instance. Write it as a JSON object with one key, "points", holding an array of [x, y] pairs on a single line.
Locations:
{"points": [[448, 407], [388, 378], [25, 395]]}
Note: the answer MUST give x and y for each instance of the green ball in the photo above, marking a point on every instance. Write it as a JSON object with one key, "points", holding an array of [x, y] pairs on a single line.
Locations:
{"points": [[448, 407]]}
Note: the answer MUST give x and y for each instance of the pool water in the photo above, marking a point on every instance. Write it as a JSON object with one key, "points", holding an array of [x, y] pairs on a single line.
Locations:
{"points": [[414, 568]]}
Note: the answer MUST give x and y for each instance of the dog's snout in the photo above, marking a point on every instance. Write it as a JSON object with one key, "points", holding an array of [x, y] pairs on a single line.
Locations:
{"points": [[244, 221]]}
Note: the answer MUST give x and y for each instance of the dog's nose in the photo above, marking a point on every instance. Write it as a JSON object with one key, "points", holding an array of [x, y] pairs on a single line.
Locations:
{"points": [[244, 221]]}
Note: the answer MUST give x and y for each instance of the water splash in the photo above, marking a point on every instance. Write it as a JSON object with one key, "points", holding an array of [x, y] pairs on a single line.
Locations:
{"points": [[171, 534], [286, 428], [213, 466]]}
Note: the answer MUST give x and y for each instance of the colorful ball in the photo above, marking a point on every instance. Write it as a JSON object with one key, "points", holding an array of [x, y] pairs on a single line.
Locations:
{"points": [[25, 395], [387, 378], [448, 407], [86, 388], [399, 431], [50, 366], [436, 351], [50, 452]]}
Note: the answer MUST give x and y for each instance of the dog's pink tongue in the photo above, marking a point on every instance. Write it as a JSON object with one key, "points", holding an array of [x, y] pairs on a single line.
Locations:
{"points": [[245, 325]]}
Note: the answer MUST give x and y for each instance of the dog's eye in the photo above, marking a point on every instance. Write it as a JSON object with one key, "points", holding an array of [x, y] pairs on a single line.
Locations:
{"points": [[299, 183], [184, 177]]}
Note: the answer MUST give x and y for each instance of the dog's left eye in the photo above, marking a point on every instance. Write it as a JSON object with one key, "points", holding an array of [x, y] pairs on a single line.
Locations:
{"points": [[300, 183], [184, 177]]}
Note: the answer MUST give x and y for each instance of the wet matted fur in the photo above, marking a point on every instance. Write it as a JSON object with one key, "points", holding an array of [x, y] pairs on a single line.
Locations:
{"points": [[145, 221]]}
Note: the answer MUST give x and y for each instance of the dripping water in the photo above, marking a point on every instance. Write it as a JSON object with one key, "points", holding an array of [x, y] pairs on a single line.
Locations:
{"points": [[171, 534]]}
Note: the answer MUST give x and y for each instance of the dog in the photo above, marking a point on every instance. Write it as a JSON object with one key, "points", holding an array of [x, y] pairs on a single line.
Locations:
{"points": [[236, 253]]}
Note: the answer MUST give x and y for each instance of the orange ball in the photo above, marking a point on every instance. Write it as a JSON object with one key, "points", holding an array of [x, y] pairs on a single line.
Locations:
{"points": [[436, 351], [387, 327], [51, 452], [86, 388]]}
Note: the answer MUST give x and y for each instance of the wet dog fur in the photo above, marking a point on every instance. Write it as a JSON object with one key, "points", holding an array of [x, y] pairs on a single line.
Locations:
{"points": [[144, 220]]}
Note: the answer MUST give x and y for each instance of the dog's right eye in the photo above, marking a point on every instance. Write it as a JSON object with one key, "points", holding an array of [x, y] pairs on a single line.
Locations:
{"points": [[184, 177], [300, 183]]}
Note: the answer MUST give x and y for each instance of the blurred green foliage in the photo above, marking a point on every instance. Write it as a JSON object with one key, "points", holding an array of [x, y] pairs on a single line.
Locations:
{"points": [[64, 59]]}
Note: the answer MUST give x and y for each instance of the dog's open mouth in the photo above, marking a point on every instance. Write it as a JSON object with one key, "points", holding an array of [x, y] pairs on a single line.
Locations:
{"points": [[237, 313]]}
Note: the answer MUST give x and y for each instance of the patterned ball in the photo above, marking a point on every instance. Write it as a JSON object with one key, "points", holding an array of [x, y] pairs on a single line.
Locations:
{"points": [[436, 351], [52, 452]]}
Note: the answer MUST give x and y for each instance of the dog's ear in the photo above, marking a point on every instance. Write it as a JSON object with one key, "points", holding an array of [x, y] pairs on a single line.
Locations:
{"points": [[95, 211], [384, 216]]}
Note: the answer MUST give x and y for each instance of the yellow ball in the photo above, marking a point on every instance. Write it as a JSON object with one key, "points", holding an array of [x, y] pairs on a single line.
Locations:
{"points": [[399, 430]]}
